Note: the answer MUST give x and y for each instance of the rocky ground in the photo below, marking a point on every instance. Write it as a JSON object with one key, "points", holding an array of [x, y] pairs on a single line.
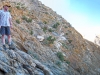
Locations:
{"points": [[17, 62], [46, 44]]}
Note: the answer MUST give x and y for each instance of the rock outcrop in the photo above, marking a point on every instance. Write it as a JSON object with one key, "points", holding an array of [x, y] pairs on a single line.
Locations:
{"points": [[46, 44], [97, 40], [17, 62]]}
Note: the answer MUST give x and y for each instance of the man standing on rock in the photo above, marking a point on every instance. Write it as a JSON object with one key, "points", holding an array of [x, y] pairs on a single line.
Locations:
{"points": [[5, 24]]}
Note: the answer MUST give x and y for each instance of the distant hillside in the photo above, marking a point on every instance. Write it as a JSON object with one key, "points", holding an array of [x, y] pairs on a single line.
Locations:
{"points": [[46, 44]]}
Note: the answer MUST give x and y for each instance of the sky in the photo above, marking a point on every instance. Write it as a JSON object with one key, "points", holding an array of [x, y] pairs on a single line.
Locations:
{"points": [[83, 15]]}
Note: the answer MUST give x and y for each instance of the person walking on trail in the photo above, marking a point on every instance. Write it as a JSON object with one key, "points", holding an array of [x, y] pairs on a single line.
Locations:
{"points": [[5, 24]]}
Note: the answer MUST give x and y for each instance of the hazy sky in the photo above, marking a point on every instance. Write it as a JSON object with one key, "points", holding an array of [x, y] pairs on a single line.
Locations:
{"points": [[84, 15]]}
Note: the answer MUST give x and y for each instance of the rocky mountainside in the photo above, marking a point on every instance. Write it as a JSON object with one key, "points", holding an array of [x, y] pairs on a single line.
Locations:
{"points": [[46, 44]]}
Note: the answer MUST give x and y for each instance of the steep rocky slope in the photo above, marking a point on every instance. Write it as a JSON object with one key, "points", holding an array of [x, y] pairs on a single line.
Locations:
{"points": [[52, 45], [17, 62]]}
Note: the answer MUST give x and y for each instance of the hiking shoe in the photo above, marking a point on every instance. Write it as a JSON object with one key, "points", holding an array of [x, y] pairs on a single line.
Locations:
{"points": [[4, 47], [11, 47]]}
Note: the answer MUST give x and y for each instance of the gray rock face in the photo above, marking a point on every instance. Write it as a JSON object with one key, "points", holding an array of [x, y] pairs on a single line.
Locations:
{"points": [[17, 62]]}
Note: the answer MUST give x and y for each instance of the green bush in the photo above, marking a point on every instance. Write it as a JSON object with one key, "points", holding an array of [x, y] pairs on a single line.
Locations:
{"points": [[31, 32], [45, 42], [23, 7], [64, 45], [46, 12], [18, 7], [68, 62], [45, 29], [60, 56], [24, 18], [50, 39], [56, 25], [17, 21], [9, 10], [27, 19], [58, 63], [66, 27], [19, 3], [70, 41], [22, 4], [44, 22], [50, 30], [66, 33]]}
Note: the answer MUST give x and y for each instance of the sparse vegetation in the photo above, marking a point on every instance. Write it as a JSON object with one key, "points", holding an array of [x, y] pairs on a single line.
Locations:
{"points": [[49, 40], [26, 19], [64, 45], [45, 29], [29, 20], [46, 12], [56, 25], [69, 41], [18, 7], [66, 33], [31, 32], [50, 30], [58, 63], [10, 10], [68, 62], [23, 7], [17, 21], [22, 4], [44, 22], [19, 3], [60, 56], [66, 27]]}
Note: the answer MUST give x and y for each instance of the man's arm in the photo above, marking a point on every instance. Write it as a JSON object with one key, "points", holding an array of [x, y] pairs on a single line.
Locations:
{"points": [[10, 20], [0, 20]]}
